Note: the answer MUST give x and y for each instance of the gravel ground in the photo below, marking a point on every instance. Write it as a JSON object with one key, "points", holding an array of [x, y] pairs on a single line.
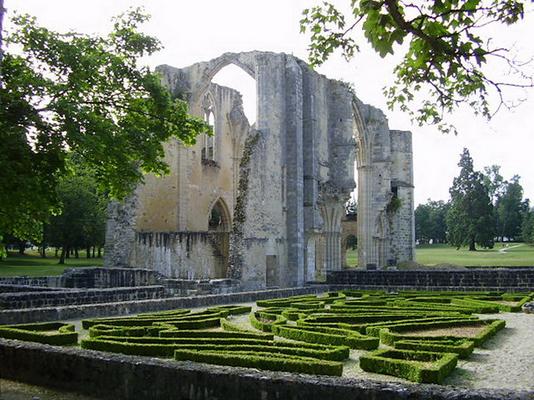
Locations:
{"points": [[505, 361]]}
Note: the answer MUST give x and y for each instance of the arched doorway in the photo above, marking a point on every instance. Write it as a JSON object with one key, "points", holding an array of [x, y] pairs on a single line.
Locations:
{"points": [[219, 226]]}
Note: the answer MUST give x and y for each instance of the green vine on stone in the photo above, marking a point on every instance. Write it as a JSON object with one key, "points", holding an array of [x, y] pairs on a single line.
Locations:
{"points": [[394, 205]]}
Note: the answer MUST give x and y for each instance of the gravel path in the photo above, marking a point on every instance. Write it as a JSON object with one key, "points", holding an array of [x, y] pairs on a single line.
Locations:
{"points": [[505, 361]]}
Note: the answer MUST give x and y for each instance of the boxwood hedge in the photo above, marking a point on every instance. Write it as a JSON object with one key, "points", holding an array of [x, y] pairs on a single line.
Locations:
{"points": [[54, 333], [416, 366], [265, 361]]}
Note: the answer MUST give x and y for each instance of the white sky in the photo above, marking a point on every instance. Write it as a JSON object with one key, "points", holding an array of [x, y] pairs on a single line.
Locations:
{"points": [[199, 30]]}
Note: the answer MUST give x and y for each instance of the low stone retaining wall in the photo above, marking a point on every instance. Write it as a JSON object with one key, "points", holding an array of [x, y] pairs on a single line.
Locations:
{"points": [[8, 288], [134, 307], [186, 287], [96, 277], [452, 279], [40, 281], [113, 376], [37, 299]]}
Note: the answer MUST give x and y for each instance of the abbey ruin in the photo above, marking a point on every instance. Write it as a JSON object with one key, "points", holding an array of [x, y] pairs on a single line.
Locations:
{"points": [[263, 204]]}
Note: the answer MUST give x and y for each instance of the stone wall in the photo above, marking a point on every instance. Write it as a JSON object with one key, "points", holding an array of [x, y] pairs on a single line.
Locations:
{"points": [[89, 278], [134, 307], [453, 279], [183, 255], [74, 297], [15, 288], [42, 281], [115, 376]]}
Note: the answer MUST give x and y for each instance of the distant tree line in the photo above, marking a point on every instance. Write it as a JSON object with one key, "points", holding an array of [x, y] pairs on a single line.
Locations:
{"points": [[483, 208]]}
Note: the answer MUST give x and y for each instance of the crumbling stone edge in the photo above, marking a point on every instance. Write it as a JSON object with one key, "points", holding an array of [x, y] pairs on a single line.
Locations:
{"points": [[112, 376]]}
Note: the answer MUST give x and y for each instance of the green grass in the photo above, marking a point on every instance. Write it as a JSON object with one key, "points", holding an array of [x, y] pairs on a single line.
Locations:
{"points": [[352, 257], [31, 264], [516, 254]]}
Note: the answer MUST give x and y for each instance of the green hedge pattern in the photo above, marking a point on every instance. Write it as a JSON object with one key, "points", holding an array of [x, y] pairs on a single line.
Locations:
{"points": [[416, 366], [54, 333], [321, 330]]}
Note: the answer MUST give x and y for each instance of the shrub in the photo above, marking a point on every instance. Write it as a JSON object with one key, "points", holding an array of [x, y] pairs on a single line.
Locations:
{"points": [[229, 326], [265, 326], [416, 366], [215, 334], [392, 334], [476, 306], [110, 330], [266, 361], [312, 335], [193, 324], [54, 333], [231, 310], [374, 329], [462, 347]]}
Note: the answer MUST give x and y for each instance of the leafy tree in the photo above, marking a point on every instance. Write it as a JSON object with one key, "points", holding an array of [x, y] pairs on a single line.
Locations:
{"points": [[470, 217], [494, 182], [351, 242], [73, 92], [509, 209], [430, 221], [444, 56], [527, 227], [81, 222]]}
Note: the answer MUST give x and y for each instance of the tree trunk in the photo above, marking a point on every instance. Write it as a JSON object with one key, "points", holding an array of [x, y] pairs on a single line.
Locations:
{"points": [[22, 247], [64, 252], [76, 255], [88, 252], [94, 252], [56, 251], [99, 251], [42, 250], [472, 245]]}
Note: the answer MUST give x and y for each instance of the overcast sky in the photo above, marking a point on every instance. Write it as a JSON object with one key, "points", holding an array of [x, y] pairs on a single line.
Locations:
{"points": [[199, 30]]}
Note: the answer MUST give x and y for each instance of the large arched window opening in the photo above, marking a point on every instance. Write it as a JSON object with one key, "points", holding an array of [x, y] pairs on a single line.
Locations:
{"points": [[236, 78]]}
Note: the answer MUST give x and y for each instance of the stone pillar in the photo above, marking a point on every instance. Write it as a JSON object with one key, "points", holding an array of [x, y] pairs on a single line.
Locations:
{"points": [[294, 174], [120, 232], [332, 211]]}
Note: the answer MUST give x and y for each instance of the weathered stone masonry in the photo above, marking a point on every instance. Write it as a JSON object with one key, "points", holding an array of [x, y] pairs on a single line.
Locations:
{"points": [[277, 201]]}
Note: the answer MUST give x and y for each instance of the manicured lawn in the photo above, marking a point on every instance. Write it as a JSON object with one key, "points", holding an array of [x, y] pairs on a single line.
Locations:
{"points": [[352, 257], [511, 254], [32, 264]]}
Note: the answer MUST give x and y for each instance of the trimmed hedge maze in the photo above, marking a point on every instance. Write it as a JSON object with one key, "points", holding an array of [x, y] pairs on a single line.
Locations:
{"points": [[421, 335]]}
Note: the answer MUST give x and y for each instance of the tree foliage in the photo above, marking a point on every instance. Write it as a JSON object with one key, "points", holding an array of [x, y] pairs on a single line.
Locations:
{"points": [[527, 227], [82, 220], [470, 217], [430, 221], [72, 92], [444, 55], [510, 209]]}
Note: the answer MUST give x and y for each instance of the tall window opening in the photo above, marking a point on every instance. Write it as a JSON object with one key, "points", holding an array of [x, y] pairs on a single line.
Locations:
{"points": [[208, 144], [234, 77]]}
